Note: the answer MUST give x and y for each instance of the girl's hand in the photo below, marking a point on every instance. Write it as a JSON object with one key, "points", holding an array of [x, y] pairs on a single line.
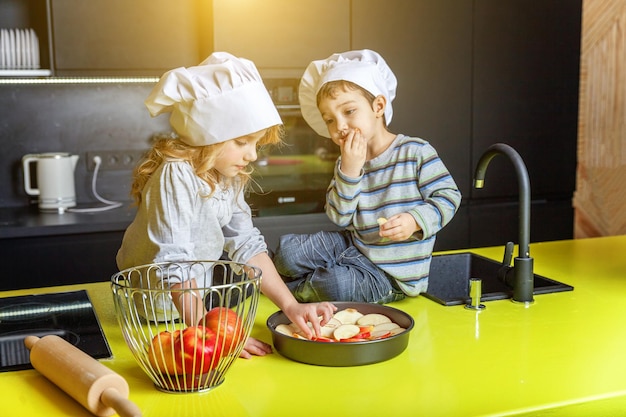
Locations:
{"points": [[303, 313], [353, 153], [255, 347], [399, 227]]}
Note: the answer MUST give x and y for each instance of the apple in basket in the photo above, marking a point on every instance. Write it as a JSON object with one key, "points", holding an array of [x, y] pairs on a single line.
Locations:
{"points": [[161, 352], [228, 326], [192, 350], [200, 352]]}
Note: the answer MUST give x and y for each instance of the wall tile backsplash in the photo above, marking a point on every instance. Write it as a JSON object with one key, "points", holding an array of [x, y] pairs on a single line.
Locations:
{"points": [[74, 118]]}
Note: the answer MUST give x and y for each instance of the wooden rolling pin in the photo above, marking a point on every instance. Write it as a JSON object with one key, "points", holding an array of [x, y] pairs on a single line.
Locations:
{"points": [[96, 387]]}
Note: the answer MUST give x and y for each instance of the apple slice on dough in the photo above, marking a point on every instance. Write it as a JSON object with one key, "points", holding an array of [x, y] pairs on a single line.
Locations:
{"points": [[373, 319], [396, 331], [328, 329], [386, 326], [348, 316], [346, 331], [286, 329], [380, 334]]}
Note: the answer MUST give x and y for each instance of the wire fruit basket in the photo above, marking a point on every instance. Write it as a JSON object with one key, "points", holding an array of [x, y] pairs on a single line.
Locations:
{"points": [[186, 322]]}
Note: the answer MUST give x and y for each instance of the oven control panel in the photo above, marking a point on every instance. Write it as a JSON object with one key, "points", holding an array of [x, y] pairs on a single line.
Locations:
{"points": [[284, 91]]}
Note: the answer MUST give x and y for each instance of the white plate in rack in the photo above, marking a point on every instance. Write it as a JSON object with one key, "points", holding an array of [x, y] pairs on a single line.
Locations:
{"points": [[28, 58], [3, 63], [10, 49], [34, 48], [22, 49], [19, 48]]}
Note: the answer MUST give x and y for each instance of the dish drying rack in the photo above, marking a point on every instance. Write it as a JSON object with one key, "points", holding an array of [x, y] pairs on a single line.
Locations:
{"points": [[19, 53]]}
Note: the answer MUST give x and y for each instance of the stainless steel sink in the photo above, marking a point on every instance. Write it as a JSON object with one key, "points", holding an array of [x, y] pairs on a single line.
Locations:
{"points": [[448, 283]]}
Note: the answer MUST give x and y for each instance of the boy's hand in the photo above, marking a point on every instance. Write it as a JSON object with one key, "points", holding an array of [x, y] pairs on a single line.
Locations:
{"points": [[399, 227], [353, 153]]}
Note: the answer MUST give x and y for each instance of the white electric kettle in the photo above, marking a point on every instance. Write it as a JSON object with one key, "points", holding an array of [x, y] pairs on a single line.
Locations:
{"points": [[55, 180]]}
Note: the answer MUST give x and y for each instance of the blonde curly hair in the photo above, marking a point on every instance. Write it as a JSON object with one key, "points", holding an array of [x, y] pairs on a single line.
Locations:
{"points": [[201, 158]]}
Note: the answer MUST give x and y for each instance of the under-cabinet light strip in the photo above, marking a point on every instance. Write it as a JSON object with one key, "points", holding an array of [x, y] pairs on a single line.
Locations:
{"points": [[80, 80]]}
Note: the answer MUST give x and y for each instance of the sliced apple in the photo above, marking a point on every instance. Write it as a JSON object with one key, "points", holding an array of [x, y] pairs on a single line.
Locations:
{"points": [[348, 325], [346, 331], [373, 319], [380, 334], [381, 221], [396, 331], [328, 329], [354, 339], [286, 329], [323, 339], [348, 316], [386, 326]]}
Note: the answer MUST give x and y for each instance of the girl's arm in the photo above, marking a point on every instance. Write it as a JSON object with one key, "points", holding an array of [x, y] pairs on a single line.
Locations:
{"points": [[189, 304], [274, 288]]}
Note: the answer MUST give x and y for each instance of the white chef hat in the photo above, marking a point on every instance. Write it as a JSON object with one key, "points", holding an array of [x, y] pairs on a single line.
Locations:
{"points": [[222, 98], [365, 68]]}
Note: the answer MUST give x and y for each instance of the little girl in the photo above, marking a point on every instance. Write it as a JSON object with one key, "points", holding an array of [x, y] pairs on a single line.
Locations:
{"points": [[189, 189]]}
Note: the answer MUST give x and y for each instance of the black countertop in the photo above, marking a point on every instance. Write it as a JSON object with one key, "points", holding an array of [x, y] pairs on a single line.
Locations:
{"points": [[17, 222], [29, 222]]}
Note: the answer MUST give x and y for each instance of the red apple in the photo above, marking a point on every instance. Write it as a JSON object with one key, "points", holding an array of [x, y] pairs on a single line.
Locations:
{"points": [[228, 326], [161, 352], [364, 332], [322, 339], [200, 351]]}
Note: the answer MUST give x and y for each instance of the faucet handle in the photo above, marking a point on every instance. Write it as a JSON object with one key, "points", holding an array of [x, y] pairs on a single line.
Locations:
{"points": [[508, 254], [506, 262]]}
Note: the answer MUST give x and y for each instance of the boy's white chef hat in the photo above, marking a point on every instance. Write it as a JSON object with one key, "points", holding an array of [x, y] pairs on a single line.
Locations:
{"points": [[365, 68], [222, 98]]}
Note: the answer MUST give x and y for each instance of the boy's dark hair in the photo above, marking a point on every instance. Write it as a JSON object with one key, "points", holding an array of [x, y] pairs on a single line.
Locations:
{"points": [[330, 90]]}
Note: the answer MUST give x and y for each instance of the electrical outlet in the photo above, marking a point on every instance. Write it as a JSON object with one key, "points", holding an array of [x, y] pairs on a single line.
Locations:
{"points": [[124, 160]]}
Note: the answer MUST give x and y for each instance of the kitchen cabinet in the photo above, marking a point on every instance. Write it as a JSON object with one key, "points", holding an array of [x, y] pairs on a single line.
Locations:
{"points": [[525, 78], [282, 36], [114, 37], [471, 74], [428, 45], [118, 37], [44, 261], [28, 14], [526, 62]]}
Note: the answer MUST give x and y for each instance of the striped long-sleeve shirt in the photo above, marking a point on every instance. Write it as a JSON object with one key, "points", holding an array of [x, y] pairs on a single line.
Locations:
{"points": [[408, 177]]}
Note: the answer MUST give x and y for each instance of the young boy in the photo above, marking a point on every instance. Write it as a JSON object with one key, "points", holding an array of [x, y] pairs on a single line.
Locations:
{"points": [[391, 192]]}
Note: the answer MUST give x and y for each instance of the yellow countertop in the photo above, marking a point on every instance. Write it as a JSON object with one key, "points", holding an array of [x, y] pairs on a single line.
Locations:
{"points": [[562, 356]]}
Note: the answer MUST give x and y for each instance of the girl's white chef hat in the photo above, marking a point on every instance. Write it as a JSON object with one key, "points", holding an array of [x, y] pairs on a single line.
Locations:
{"points": [[365, 68], [222, 98]]}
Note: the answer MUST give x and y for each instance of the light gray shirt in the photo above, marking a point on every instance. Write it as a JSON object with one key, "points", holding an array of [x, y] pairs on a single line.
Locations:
{"points": [[176, 221]]}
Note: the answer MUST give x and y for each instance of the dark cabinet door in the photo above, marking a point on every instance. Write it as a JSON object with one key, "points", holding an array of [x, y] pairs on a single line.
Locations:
{"points": [[428, 45], [47, 261], [120, 37], [525, 92]]}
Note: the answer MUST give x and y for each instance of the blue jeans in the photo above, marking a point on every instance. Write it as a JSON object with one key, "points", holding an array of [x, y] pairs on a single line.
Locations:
{"points": [[326, 266]]}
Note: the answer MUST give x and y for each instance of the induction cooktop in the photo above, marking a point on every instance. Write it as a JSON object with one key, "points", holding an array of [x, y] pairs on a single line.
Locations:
{"points": [[69, 315]]}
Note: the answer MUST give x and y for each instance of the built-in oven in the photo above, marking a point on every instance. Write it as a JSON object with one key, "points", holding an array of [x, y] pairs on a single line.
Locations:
{"points": [[293, 178]]}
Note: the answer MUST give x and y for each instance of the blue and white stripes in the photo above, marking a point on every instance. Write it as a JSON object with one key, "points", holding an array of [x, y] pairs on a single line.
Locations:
{"points": [[408, 177]]}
